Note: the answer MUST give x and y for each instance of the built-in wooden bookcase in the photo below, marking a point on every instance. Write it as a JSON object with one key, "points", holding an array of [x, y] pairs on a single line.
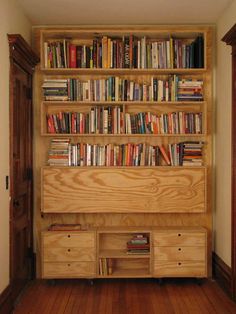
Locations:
{"points": [[124, 196]]}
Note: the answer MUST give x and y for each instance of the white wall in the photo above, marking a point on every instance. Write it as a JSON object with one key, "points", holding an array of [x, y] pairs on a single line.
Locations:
{"points": [[222, 223], [12, 20]]}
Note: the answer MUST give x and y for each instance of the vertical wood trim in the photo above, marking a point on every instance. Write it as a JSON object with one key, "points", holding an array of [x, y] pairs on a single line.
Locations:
{"points": [[230, 39]]}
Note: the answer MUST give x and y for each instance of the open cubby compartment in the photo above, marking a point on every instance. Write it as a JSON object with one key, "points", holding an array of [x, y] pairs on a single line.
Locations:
{"points": [[125, 267]]}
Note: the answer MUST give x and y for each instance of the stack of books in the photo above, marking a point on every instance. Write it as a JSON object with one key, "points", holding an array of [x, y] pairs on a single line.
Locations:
{"points": [[191, 153], [59, 152], [65, 227], [186, 154], [190, 90], [55, 90], [139, 244]]}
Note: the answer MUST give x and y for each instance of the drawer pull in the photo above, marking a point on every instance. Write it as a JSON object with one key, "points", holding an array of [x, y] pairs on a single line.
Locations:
{"points": [[68, 235], [68, 264], [68, 250], [179, 249], [179, 234], [179, 264]]}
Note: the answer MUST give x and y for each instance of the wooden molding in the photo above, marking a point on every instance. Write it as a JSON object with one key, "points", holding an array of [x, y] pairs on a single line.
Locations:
{"points": [[230, 37], [20, 50], [222, 273], [6, 302]]}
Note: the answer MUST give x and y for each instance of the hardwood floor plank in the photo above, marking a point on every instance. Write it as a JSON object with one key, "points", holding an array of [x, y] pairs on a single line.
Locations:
{"points": [[218, 298], [125, 296]]}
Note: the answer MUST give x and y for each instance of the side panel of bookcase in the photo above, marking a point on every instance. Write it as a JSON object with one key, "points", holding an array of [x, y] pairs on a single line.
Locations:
{"points": [[89, 190]]}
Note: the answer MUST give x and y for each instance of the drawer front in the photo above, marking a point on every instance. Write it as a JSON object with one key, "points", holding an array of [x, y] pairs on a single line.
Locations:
{"points": [[68, 254], [175, 253], [179, 238], [68, 270], [179, 269], [69, 239]]}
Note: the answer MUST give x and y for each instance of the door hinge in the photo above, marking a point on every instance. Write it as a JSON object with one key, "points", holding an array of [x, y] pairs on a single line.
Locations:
{"points": [[30, 252], [29, 93], [29, 174], [7, 182]]}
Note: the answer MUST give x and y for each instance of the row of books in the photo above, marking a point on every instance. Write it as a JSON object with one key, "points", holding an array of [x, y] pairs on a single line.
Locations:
{"points": [[138, 244], [118, 89], [64, 153], [113, 120], [126, 52], [105, 266]]}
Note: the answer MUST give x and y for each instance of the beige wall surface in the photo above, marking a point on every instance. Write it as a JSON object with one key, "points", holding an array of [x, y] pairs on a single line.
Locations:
{"points": [[222, 219], [12, 20]]}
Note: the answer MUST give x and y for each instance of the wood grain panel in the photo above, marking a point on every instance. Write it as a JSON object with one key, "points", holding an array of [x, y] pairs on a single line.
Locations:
{"points": [[178, 253], [68, 269], [179, 269], [123, 190], [69, 239], [70, 254], [179, 239]]}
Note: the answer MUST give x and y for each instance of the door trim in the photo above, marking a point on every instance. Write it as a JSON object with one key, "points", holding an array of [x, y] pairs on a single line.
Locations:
{"points": [[230, 39], [22, 55]]}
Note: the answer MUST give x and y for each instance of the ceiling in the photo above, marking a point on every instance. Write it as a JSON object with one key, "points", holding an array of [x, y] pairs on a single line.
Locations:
{"points": [[68, 12]]}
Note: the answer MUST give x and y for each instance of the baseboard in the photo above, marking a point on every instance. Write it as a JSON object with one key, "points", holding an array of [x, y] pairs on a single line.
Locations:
{"points": [[222, 273], [6, 302]]}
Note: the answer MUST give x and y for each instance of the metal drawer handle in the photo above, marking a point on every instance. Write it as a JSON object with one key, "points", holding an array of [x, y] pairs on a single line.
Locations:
{"points": [[68, 235], [179, 264], [179, 234], [179, 249]]}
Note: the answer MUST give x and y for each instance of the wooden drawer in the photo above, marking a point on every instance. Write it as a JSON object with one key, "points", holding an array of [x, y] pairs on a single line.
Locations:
{"points": [[180, 269], [68, 270], [82, 239], [179, 238], [55, 254], [176, 253]]}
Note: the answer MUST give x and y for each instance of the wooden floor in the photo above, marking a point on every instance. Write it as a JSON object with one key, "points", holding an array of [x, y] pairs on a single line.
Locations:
{"points": [[126, 296]]}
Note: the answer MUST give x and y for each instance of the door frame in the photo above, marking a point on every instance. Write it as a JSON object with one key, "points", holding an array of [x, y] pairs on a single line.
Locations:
{"points": [[230, 39], [20, 54]]}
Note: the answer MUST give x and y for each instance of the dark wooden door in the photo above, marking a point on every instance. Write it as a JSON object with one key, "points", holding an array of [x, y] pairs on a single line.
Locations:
{"points": [[21, 165], [230, 39], [21, 178]]}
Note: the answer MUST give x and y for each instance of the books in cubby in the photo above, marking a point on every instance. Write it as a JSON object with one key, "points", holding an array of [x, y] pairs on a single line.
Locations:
{"points": [[138, 244], [59, 152], [64, 153], [128, 51], [173, 88], [106, 266], [186, 154], [113, 120]]}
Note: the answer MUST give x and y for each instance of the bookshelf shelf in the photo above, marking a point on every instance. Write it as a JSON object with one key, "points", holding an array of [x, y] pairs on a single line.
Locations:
{"points": [[128, 273], [133, 103], [119, 71], [121, 254], [153, 68], [121, 135]]}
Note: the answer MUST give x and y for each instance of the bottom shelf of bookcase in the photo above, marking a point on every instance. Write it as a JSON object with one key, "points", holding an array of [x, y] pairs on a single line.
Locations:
{"points": [[124, 267]]}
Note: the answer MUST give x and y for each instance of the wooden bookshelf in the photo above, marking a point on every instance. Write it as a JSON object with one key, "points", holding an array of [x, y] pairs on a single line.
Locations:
{"points": [[114, 260], [125, 196]]}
